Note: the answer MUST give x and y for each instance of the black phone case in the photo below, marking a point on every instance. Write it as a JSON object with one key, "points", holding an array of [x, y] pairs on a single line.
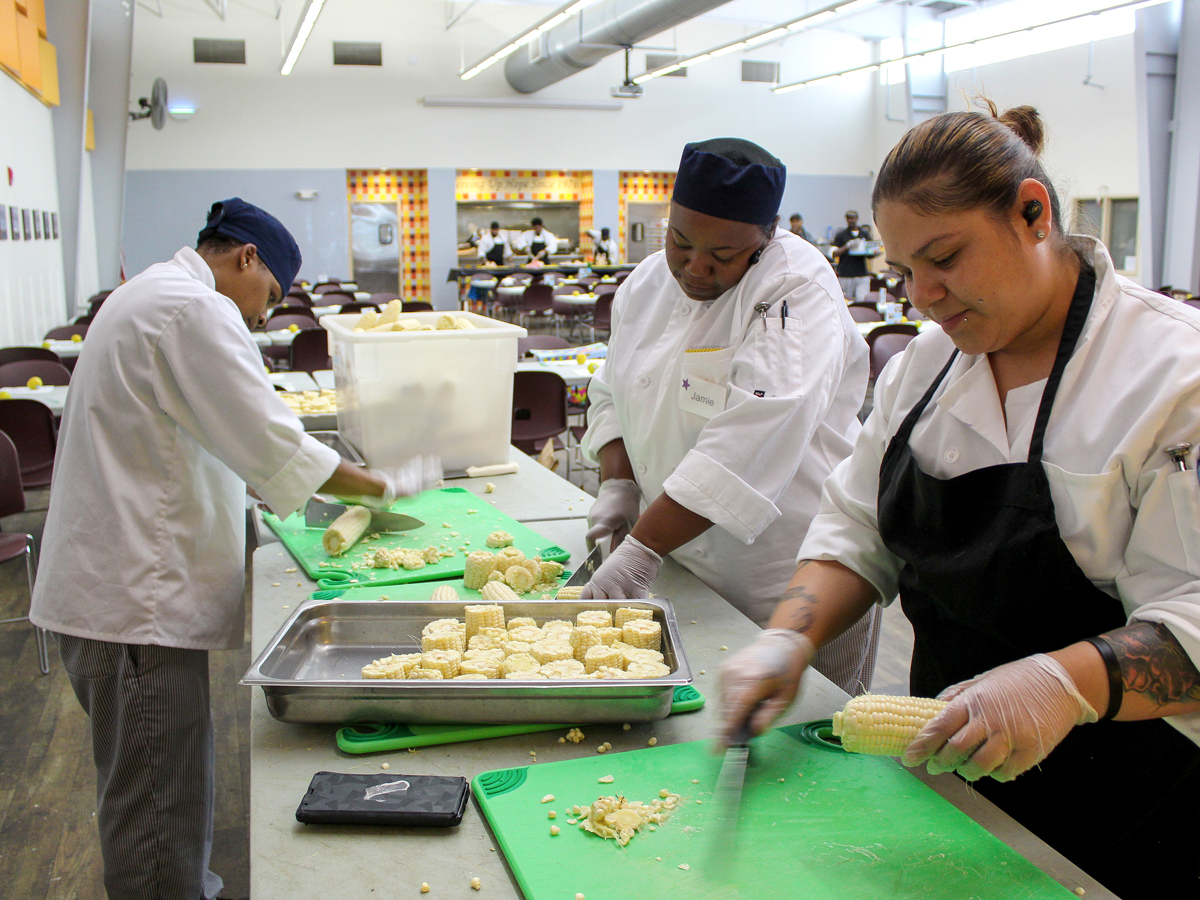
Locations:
{"points": [[334, 798]]}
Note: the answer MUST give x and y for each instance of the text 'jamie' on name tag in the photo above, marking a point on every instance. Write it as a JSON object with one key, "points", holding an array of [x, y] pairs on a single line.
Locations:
{"points": [[702, 397]]}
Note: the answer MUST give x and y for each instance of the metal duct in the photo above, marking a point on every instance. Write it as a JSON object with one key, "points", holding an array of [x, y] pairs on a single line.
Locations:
{"points": [[606, 27]]}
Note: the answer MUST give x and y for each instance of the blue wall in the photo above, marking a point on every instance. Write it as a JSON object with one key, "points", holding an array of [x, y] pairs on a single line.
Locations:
{"points": [[443, 237], [606, 199], [824, 199], [165, 208]]}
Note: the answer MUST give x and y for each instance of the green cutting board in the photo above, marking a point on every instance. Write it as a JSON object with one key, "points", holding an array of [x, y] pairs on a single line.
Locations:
{"points": [[418, 590], [377, 738], [443, 511], [815, 822]]}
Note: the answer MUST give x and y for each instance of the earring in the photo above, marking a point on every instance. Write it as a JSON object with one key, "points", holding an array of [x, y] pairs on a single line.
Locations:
{"points": [[243, 265], [1041, 235]]}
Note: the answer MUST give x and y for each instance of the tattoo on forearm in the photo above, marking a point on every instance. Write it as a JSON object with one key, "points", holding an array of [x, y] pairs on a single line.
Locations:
{"points": [[1153, 663], [801, 617]]}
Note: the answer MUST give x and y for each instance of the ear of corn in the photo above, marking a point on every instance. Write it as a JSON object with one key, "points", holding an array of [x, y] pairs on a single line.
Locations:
{"points": [[498, 592], [488, 668], [445, 594], [609, 636], [446, 639], [635, 655], [883, 725], [478, 567], [369, 319], [519, 578], [599, 618], [648, 670], [445, 661], [391, 313], [583, 637], [441, 625], [599, 656], [519, 664], [529, 633], [517, 648], [420, 672], [569, 593], [547, 651], [563, 668], [626, 614], [522, 622], [642, 633], [483, 616], [345, 530]]}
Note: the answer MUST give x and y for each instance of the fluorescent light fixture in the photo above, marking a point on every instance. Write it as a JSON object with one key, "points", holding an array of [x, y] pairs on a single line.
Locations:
{"points": [[521, 103], [561, 14], [303, 30], [766, 36], [938, 51], [181, 111]]}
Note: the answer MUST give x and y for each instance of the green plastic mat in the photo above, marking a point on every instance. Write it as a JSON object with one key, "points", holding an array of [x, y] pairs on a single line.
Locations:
{"points": [[812, 824], [376, 738], [453, 517]]}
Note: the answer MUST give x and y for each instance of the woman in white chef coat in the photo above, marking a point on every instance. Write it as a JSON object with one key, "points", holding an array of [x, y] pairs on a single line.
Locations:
{"points": [[169, 419], [537, 241], [1016, 484], [731, 389]]}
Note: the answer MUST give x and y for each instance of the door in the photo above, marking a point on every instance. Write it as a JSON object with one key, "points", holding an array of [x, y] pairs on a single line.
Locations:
{"points": [[375, 246], [646, 225]]}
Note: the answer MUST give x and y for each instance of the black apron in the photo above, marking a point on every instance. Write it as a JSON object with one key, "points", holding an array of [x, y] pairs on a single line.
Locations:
{"points": [[536, 247], [496, 254], [986, 580]]}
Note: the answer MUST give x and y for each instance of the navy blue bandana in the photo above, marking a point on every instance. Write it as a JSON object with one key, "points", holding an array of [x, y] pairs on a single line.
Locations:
{"points": [[729, 178], [245, 222]]}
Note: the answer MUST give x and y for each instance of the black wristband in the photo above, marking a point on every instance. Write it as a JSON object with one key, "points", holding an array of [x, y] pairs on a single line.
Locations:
{"points": [[1116, 682]]}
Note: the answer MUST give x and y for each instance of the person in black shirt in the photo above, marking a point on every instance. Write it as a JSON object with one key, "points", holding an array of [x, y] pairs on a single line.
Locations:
{"points": [[851, 266]]}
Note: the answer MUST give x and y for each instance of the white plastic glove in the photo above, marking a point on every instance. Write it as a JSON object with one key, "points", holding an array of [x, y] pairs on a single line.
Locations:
{"points": [[760, 681], [626, 575], [613, 514], [1003, 722], [405, 480]]}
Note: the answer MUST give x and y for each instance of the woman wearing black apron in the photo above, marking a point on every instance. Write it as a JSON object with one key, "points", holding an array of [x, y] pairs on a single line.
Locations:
{"points": [[1076, 594]]}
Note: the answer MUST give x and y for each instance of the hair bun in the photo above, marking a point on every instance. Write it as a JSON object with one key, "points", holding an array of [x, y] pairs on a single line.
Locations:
{"points": [[1027, 124]]}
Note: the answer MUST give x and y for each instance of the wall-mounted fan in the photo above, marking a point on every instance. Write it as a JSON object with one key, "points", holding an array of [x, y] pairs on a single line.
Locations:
{"points": [[154, 108]]}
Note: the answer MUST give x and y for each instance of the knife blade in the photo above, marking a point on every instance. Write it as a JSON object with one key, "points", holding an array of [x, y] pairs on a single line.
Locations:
{"points": [[319, 514], [587, 568], [728, 792]]}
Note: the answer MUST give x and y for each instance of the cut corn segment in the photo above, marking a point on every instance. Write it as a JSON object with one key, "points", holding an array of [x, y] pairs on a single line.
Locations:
{"points": [[642, 633], [445, 639], [583, 637], [599, 656], [519, 578], [444, 594], [344, 531], [488, 668], [635, 655], [599, 618], [369, 319], [478, 567], [547, 651], [627, 614], [569, 593], [531, 634], [498, 592], [563, 668], [512, 648], [445, 661], [422, 673], [648, 670], [521, 622], [519, 664], [441, 625], [499, 539], [609, 636], [881, 724], [483, 616]]}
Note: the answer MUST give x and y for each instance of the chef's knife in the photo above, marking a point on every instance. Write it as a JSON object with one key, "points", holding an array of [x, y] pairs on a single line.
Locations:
{"points": [[587, 568], [319, 514], [728, 793]]}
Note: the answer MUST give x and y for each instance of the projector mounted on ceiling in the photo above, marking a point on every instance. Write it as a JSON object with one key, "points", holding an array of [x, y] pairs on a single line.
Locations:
{"points": [[628, 89]]}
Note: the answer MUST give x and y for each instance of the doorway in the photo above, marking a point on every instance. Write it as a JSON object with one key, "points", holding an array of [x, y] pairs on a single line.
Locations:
{"points": [[375, 247], [646, 225]]}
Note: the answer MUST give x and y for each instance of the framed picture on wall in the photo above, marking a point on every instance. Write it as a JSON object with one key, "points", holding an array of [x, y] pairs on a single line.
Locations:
{"points": [[3, 222], [54, 224], [26, 225], [46, 225], [37, 225], [14, 222]]}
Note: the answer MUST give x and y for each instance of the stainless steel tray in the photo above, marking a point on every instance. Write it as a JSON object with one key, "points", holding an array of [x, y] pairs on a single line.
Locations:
{"points": [[311, 670]]}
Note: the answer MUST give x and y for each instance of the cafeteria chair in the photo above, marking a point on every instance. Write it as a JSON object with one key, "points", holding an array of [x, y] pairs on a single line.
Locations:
{"points": [[621, 276], [287, 309], [864, 312], [13, 544], [540, 342], [333, 298], [286, 318], [19, 354], [602, 314], [411, 306], [297, 297], [85, 319], [1193, 302], [17, 374], [30, 426], [912, 313], [535, 300], [358, 306], [65, 332], [571, 313], [383, 298], [322, 287], [309, 352], [539, 411], [96, 301], [588, 282], [885, 342]]}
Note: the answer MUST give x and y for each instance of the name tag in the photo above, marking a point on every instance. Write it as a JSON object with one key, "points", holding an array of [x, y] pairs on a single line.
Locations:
{"points": [[702, 397]]}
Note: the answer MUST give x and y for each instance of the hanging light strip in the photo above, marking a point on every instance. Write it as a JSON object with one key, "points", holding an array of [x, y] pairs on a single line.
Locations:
{"points": [[303, 30], [766, 36], [561, 14], [938, 51]]}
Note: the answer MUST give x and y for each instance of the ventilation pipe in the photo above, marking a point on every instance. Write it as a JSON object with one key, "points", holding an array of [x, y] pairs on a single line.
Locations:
{"points": [[575, 45]]}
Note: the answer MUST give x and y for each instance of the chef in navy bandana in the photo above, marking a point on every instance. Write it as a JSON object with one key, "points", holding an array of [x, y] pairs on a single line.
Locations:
{"points": [[731, 389]]}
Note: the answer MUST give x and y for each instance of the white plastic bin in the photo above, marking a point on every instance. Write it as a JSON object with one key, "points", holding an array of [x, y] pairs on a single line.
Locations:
{"points": [[400, 393]]}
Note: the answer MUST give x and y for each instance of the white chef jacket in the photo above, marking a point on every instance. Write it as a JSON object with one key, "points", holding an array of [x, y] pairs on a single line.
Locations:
{"points": [[527, 238], [793, 394], [169, 416], [487, 242], [1131, 520]]}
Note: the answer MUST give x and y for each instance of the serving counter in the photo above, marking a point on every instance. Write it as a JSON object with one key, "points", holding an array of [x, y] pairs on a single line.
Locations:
{"points": [[289, 860]]}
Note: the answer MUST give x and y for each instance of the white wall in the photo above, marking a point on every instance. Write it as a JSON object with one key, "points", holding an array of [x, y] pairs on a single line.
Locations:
{"points": [[32, 289]]}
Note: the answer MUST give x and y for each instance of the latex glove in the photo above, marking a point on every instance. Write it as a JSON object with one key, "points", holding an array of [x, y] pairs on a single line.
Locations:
{"points": [[1003, 722], [626, 575], [613, 514], [405, 480], [760, 681]]}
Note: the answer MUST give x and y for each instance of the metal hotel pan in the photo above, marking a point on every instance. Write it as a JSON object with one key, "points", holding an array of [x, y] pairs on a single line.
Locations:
{"points": [[311, 671]]}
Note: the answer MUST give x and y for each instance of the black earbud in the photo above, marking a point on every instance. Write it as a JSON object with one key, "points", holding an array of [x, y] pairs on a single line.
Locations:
{"points": [[1033, 211], [756, 256]]}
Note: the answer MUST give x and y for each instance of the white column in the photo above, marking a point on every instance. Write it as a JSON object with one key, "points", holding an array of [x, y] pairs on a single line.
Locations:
{"points": [[1181, 248]]}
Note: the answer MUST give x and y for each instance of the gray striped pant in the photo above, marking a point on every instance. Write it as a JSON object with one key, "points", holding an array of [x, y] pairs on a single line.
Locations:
{"points": [[152, 740]]}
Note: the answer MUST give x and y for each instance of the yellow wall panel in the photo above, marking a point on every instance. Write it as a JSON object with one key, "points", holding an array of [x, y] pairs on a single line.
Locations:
{"points": [[31, 56], [36, 11], [49, 57], [10, 55], [89, 141]]}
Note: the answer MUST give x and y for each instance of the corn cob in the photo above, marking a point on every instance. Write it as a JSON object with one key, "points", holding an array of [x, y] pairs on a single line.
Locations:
{"points": [[394, 666], [883, 725], [425, 673], [496, 575], [516, 648], [521, 622], [635, 655], [391, 313], [647, 670], [496, 634], [563, 668], [550, 571], [442, 625], [628, 613], [519, 578], [608, 672], [471, 676], [528, 633], [609, 636], [495, 655], [444, 661], [547, 651], [446, 322], [483, 616], [569, 593], [478, 567], [561, 626], [642, 633], [518, 665], [444, 594], [499, 539], [599, 656], [599, 618], [498, 592], [488, 668], [583, 637], [345, 530], [369, 319], [445, 639], [527, 676]]}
